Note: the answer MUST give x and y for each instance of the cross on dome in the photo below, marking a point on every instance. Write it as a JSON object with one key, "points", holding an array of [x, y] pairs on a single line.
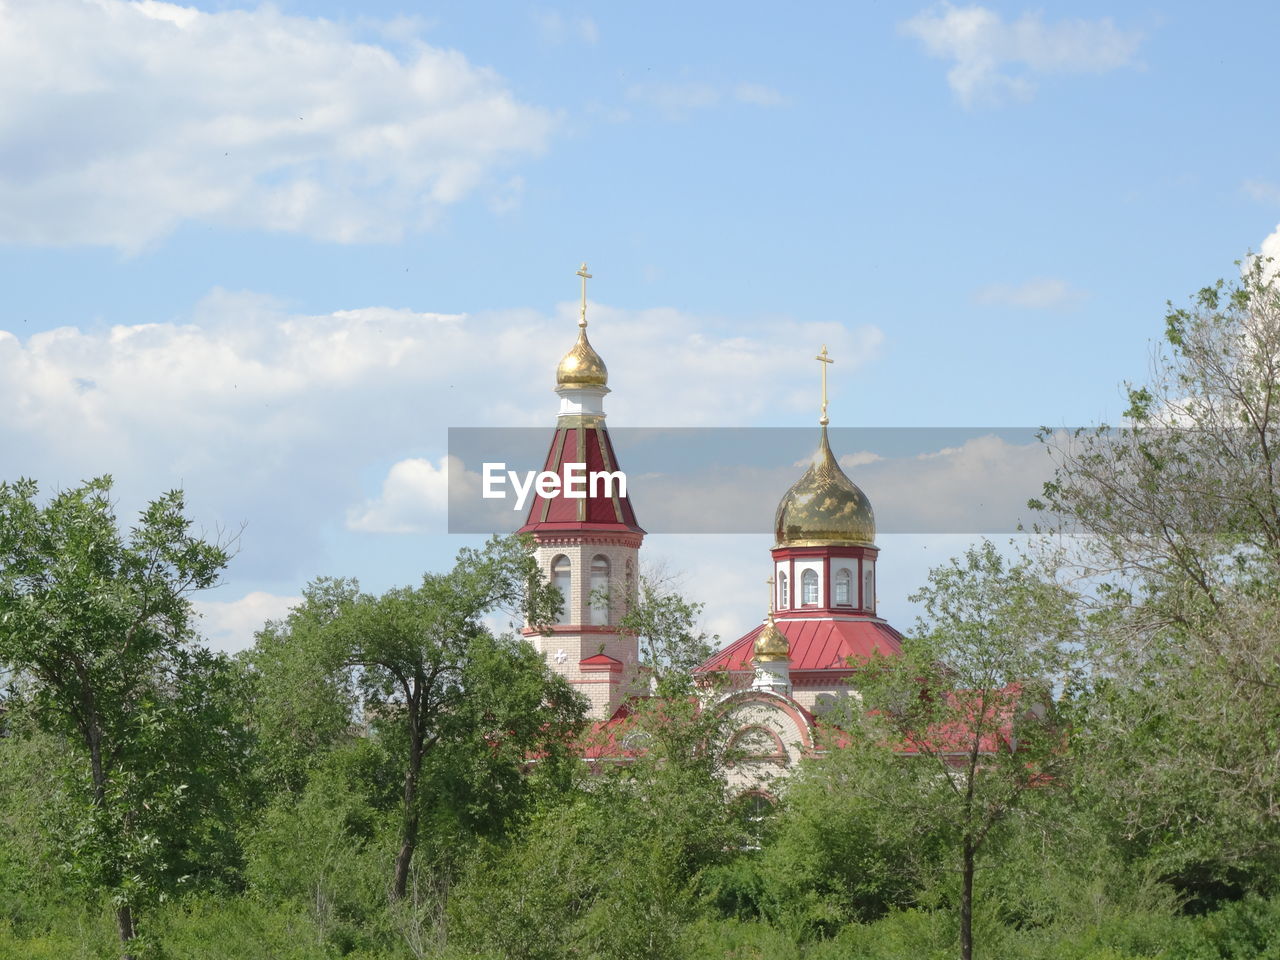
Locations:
{"points": [[824, 360], [582, 272], [582, 366]]}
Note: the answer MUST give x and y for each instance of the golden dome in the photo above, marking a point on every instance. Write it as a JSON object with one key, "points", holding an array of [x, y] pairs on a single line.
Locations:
{"points": [[582, 366], [824, 507], [771, 644]]}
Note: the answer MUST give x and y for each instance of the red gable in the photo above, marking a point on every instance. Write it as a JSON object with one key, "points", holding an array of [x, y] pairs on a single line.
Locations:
{"points": [[600, 663]]}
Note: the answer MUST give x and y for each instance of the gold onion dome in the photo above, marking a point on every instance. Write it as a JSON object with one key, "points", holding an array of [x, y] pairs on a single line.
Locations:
{"points": [[771, 644], [824, 507], [582, 366]]}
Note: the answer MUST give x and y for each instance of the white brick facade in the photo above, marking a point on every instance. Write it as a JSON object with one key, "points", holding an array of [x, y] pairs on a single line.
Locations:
{"points": [[577, 638]]}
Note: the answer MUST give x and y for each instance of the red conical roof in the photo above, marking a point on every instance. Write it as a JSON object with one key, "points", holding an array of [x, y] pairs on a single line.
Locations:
{"points": [[586, 442]]}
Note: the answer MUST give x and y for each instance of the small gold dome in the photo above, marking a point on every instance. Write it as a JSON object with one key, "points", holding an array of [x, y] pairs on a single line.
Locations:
{"points": [[771, 644], [582, 366], [824, 507]]}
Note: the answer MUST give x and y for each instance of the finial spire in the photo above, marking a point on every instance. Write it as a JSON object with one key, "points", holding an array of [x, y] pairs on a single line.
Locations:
{"points": [[582, 316], [822, 358], [770, 583]]}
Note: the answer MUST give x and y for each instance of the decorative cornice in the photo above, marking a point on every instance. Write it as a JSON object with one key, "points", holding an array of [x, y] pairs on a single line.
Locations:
{"points": [[816, 549], [581, 537], [572, 629]]}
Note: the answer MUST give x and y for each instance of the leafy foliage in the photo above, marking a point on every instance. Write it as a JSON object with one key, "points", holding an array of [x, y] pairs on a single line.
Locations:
{"points": [[95, 628], [1179, 513], [970, 698], [665, 625]]}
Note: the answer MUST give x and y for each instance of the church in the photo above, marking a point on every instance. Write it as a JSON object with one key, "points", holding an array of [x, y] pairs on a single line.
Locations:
{"points": [[772, 683]]}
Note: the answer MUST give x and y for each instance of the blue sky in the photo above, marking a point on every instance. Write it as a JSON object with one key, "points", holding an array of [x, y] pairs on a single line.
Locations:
{"points": [[272, 253]]}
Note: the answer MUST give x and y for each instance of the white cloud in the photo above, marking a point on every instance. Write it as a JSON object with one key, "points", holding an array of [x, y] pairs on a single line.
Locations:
{"points": [[122, 120], [1271, 248], [994, 60], [229, 625], [1043, 293], [414, 498], [1264, 191], [679, 99], [980, 486], [758, 94], [850, 461], [554, 27], [975, 484], [278, 420]]}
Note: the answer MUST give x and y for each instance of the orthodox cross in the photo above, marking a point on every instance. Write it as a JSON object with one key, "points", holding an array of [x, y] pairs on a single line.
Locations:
{"points": [[824, 359], [582, 272], [770, 583]]}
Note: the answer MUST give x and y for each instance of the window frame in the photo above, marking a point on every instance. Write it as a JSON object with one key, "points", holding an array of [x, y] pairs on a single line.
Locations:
{"points": [[809, 578]]}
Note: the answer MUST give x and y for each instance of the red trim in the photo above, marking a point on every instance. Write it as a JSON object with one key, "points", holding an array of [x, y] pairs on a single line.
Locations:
{"points": [[798, 714]]}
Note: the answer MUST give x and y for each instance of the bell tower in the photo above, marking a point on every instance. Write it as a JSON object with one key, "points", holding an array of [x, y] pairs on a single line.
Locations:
{"points": [[588, 545]]}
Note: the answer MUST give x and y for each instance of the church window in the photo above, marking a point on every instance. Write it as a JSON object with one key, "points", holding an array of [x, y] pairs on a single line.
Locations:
{"points": [[755, 808], [809, 588], [755, 742], [844, 587], [630, 585], [599, 590], [560, 577], [783, 600], [869, 589]]}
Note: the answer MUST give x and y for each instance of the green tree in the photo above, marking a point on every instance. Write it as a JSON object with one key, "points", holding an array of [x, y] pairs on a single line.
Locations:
{"points": [[1178, 523], [665, 625], [612, 869], [95, 626], [303, 706], [465, 710], [841, 849], [969, 702]]}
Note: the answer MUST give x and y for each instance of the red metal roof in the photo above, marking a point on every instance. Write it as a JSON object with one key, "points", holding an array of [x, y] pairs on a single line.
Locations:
{"points": [[589, 444], [825, 643]]}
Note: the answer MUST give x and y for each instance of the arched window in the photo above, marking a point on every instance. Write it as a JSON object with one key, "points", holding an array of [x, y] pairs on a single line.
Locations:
{"points": [[630, 585], [869, 588], [599, 590], [784, 600], [560, 577], [756, 742], [809, 588], [844, 587]]}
